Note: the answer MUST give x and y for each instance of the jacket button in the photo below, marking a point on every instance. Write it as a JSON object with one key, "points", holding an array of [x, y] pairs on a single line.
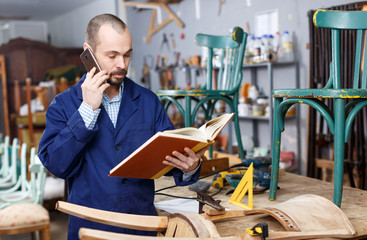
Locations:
{"points": [[123, 180], [117, 147]]}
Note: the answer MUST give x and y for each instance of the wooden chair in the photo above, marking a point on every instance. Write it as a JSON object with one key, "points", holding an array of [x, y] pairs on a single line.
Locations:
{"points": [[24, 218], [340, 115], [224, 77], [31, 126]]}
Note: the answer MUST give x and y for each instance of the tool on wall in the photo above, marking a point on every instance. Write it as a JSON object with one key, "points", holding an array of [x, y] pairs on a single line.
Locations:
{"points": [[146, 70], [173, 43], [221, 2], [165, 42], [153, 27]]}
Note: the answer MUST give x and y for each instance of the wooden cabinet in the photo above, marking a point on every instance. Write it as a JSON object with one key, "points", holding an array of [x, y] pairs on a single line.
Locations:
{"points": [[27, 58]]}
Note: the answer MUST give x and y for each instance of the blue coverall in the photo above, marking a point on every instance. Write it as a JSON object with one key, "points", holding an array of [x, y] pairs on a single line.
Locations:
{"points": [[85, 157]]}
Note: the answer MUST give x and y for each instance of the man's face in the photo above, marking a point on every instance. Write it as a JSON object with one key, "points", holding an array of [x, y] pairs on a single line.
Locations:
{"points": [[113, 53]]}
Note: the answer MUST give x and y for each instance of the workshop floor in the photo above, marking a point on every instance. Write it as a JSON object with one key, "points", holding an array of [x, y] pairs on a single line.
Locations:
{"points": [[59, 227]]}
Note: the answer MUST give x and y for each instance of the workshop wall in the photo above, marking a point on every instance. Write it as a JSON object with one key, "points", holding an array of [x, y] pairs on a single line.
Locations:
{"points": [[68, 31], [292, 17]]}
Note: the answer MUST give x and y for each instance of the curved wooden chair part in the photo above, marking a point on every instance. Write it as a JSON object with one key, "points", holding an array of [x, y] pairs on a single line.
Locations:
{"points": [[136, 222], [224, 77], [340, 120], [303, 217]]}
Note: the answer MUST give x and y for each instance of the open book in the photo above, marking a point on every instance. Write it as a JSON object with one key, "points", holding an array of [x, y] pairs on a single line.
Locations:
{"points": [[147, 161]]}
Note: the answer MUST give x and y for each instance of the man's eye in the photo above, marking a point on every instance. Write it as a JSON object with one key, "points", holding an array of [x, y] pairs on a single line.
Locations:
{"points": [[112, 56]]}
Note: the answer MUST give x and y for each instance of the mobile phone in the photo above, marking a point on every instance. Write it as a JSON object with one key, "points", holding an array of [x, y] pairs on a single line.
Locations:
{"points": [[89, 60]]}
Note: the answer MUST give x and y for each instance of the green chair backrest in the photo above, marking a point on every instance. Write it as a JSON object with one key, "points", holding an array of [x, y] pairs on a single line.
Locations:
{"points": [[5, 157], [38, 177], [345, 20], [9, 166], [23, 168], [225, 54]]}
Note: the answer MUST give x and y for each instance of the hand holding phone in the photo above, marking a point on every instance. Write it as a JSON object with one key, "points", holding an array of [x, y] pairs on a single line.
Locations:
{"points": [[89, 60]]}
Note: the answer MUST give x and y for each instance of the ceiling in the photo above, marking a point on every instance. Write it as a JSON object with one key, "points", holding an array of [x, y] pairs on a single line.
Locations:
{"points": [[37, 9]]}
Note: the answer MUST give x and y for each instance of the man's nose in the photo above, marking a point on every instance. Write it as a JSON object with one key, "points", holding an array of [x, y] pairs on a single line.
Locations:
{"points": [[121, 62]]}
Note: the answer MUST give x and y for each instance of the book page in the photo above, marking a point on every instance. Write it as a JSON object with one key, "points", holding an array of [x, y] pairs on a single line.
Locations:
{"points": [[214, 126], [188, 131], [207, 131]]}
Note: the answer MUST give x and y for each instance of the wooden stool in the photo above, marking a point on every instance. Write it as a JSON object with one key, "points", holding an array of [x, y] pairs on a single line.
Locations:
{"points": [[23, 218]]}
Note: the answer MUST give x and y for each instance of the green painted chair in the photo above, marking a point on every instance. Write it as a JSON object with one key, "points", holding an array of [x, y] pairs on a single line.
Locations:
{"points": [[29, 191], [4, 153], [10, 162], [225, 57], [340, 115]]}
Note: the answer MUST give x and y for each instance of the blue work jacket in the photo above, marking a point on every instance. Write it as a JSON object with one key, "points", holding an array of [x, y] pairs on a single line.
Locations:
{"points": [[85, 157]]}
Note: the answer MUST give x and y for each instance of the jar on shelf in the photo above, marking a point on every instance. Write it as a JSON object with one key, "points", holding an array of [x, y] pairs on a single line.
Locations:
{"points": [[244, 107], [258, 110]]}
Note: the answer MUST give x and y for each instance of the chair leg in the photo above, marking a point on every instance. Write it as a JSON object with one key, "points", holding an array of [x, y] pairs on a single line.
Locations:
{"points": [[44, 234], [275, 152], [238, 136], [339, 150], [188, 122]]}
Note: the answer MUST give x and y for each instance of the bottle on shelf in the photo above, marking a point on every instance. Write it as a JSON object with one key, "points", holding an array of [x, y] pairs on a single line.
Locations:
{"points": [[264, 47], [269, 50], [257, 50], [276, 45], [249, 52], [286, 52]]}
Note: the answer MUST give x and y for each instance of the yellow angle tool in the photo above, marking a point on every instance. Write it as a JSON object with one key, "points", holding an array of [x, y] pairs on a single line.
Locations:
{"points": [[245, 186]]}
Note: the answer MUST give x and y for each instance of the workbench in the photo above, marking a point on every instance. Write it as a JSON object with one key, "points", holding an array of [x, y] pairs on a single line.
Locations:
{"points": [[354, 203]]}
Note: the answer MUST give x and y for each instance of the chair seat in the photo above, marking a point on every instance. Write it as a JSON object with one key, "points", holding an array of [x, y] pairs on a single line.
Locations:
{"points": [[23, 215], [320, 93], [193, 92]]}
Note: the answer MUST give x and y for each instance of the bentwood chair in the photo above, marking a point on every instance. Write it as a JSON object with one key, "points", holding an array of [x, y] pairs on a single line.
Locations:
{"points": [[347, 102], [28, 191], [22, 212], [224, 77], [9, 180]]}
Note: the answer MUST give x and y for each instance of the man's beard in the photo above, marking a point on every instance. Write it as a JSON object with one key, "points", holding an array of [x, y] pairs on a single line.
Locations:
{"points": [[117, 81]]}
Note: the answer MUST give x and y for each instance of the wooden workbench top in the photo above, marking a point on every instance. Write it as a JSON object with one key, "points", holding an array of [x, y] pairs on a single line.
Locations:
{"points": [[354, 202]]}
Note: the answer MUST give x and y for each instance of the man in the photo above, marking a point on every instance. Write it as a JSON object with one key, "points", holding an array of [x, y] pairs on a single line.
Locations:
{"points": [[92, 126]]}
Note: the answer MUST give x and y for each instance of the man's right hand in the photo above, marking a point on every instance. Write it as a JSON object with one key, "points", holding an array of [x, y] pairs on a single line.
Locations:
{"points": [[93, 88]]}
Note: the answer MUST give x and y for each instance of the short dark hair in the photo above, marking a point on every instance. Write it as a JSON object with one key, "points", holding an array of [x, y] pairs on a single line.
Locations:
{"points": [[91, 33]]}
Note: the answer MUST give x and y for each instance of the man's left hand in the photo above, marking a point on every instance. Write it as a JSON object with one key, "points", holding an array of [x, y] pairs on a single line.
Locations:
{"points": [[185, 162]]}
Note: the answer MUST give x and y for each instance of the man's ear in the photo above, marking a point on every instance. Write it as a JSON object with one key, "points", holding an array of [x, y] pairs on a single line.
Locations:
{"points": [[86, 45]]}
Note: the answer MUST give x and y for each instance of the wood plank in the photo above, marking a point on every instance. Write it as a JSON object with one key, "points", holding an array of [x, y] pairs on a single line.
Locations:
{"points": [[213, 165], [232, 158]]}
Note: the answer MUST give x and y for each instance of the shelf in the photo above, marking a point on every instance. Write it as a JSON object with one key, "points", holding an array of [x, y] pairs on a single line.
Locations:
{"points": [[255, 120], [265, 64], [265, 118]]}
